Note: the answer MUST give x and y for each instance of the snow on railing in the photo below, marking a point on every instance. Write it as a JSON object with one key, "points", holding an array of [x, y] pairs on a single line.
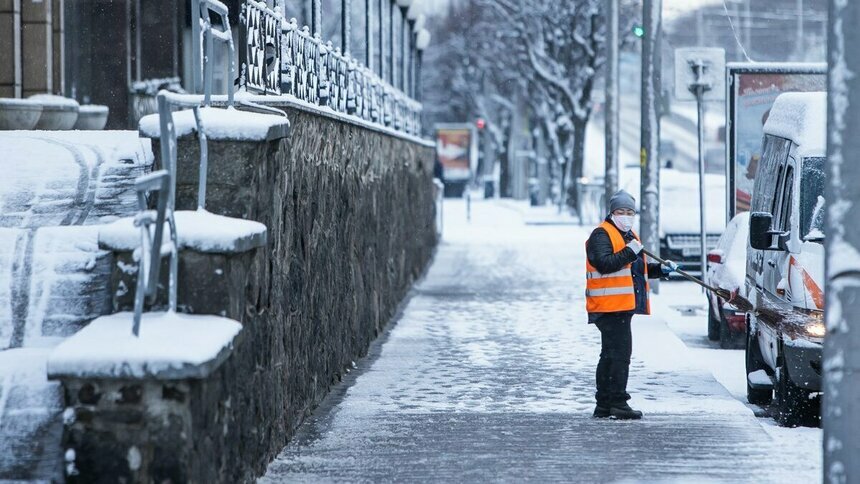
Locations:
{"points": [[260, 57], [317, 73], [280, 58]]}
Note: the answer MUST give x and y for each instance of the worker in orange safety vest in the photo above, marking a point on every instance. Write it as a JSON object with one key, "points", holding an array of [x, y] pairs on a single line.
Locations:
{"points": [[617, 274]]}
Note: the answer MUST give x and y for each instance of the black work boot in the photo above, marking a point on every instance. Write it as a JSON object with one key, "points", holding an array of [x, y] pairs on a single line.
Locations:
{"points": [[623, 411], [601, 412]]}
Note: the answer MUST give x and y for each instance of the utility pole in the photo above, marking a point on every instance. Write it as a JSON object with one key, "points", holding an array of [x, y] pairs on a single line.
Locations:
{"points": [[841, 401], [799, 37], [611, 106], [649, 152], [700, 26]]}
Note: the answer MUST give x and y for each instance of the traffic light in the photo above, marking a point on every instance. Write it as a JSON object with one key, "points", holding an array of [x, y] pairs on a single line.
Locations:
{"points": [[480, 123], [639, 31]]}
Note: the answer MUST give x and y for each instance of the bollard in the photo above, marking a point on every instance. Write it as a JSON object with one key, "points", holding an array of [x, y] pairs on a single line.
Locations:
{"points": [[468, 207]]}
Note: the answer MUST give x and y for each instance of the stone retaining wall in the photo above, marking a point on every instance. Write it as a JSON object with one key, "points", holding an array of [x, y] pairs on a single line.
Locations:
{"points": [[350, 214]]}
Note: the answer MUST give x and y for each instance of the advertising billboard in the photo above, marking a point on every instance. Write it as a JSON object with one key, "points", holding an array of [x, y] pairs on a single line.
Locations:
{"points": [[751, 90], [456, 150]]}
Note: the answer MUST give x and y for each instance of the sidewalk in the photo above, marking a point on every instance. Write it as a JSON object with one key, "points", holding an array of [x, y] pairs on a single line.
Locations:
{"points": [[488, 375]]}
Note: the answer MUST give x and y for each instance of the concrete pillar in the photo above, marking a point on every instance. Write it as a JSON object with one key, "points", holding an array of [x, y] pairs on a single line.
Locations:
{"points": [[58, 24], [36, 47], [10, 53]]}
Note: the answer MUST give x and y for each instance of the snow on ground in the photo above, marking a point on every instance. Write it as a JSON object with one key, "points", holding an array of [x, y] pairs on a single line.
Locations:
{"points": [[56, 187], [798, 445], [489, 375]]}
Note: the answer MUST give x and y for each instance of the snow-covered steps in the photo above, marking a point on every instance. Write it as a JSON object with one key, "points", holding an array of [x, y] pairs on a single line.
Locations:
{"points": [[69, 178], [55, 188], [30, 424], [53, 280]]}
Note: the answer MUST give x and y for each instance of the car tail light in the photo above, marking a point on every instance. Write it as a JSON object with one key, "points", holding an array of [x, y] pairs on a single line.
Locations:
{"points": [[736, 320], [715, 258]]}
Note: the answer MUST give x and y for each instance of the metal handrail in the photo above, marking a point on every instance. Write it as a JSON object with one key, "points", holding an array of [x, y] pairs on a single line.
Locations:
{"points": [[211, 33], [152, 248]]}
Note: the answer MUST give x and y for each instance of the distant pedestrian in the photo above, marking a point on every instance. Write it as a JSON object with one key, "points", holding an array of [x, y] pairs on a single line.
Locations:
{"points": [[617, 274]]}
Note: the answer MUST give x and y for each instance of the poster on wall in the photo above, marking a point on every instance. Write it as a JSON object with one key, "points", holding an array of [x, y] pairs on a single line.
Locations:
{"points": [[455, 149], [752, 89]]}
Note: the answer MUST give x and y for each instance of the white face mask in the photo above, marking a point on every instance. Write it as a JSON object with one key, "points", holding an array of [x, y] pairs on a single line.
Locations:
{"points": [[623, 222]]}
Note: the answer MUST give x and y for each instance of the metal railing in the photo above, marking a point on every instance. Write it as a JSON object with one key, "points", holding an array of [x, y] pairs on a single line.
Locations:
{"points": [[260, 57], [280, 58], [320, 74]]}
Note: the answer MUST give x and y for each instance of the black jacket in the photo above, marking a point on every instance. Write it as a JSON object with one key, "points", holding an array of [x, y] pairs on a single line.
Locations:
{"points": [[605, 260]]}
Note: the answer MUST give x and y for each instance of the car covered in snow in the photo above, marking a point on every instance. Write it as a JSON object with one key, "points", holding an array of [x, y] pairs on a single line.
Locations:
{"points": [[727, 264], [785, 260], [680, 227]]}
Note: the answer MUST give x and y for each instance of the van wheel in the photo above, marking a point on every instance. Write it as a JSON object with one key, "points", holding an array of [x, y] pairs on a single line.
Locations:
{"points": [[794, 407], [755, 362], [713, 324]]}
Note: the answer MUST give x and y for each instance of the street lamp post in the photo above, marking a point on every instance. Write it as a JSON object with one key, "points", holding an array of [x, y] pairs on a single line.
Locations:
{"points": [[345, 25], [382, 61], [368, 33], [422, 40], [316, 17]]}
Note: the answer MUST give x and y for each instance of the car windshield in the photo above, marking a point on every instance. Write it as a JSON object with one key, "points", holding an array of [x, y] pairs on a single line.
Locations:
{"points": [[812, 201]]}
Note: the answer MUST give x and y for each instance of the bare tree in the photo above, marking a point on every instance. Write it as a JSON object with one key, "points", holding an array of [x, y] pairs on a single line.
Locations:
{"points": [[559, 51]]}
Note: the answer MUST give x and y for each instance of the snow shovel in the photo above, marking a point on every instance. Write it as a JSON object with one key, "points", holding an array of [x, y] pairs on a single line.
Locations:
{"points": [[731, 297]]}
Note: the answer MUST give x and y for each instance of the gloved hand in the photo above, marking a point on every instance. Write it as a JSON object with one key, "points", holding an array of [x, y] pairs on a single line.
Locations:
{"points": [[669, 267], [635, 246]]}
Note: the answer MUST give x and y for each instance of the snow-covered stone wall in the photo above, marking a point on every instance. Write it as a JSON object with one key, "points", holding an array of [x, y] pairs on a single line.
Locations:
{"points": [[350, 218]]}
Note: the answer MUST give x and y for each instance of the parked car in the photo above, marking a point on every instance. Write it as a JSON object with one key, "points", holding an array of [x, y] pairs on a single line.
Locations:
{"points": [[679, 214], [726, 269], [785, 260]]}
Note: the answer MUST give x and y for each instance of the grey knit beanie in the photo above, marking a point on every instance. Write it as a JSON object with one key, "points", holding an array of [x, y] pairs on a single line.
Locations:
{"points": [[622, 199]]}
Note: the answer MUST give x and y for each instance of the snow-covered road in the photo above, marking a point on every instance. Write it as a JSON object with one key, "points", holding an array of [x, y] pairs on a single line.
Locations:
{"points": [[488, 375]]}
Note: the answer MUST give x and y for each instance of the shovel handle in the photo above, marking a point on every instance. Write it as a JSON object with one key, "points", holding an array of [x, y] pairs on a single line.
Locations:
{"points": [[682, 273]]}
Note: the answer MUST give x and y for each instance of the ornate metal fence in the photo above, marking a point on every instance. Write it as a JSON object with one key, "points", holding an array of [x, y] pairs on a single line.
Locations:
{"points": [[261, 53], [278, 57], [318, 73]]}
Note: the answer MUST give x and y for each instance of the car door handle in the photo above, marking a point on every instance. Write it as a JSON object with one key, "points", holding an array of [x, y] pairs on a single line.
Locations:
{"points": [[771, 263]]}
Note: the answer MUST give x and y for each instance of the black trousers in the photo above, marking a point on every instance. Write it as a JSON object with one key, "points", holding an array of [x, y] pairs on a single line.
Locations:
{"points": [[616, 346]]}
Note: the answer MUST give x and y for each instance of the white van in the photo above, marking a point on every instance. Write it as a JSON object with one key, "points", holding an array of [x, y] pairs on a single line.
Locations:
{"points": [[785, 260]]}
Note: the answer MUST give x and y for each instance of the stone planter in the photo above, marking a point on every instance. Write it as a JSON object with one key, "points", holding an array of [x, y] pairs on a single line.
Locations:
{"points": [[58, 112], [92, 117], [19, 113]]}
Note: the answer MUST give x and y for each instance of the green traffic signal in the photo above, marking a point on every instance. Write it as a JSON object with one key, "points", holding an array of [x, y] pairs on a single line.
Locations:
{"points": [[639, 31]]}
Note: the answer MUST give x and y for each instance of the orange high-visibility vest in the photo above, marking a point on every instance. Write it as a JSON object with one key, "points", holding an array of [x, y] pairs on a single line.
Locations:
{"points": [[613, 292]]}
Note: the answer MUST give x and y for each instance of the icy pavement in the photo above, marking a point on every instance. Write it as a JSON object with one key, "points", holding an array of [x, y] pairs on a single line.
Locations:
{"points": [[55, 188], [488, 375]]}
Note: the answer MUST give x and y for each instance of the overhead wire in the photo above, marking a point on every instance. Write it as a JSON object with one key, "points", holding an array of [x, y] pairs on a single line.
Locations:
{"points": [[735, 33]]}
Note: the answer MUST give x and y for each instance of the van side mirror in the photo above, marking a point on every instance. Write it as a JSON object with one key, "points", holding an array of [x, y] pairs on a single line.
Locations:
{"points": [[760, 236]]}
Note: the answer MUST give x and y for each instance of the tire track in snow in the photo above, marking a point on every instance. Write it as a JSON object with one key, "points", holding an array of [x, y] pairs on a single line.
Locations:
{"points": [[22, 272]]}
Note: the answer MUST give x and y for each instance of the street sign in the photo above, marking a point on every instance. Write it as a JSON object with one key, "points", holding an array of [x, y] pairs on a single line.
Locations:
{"points": [[714, 73]]}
